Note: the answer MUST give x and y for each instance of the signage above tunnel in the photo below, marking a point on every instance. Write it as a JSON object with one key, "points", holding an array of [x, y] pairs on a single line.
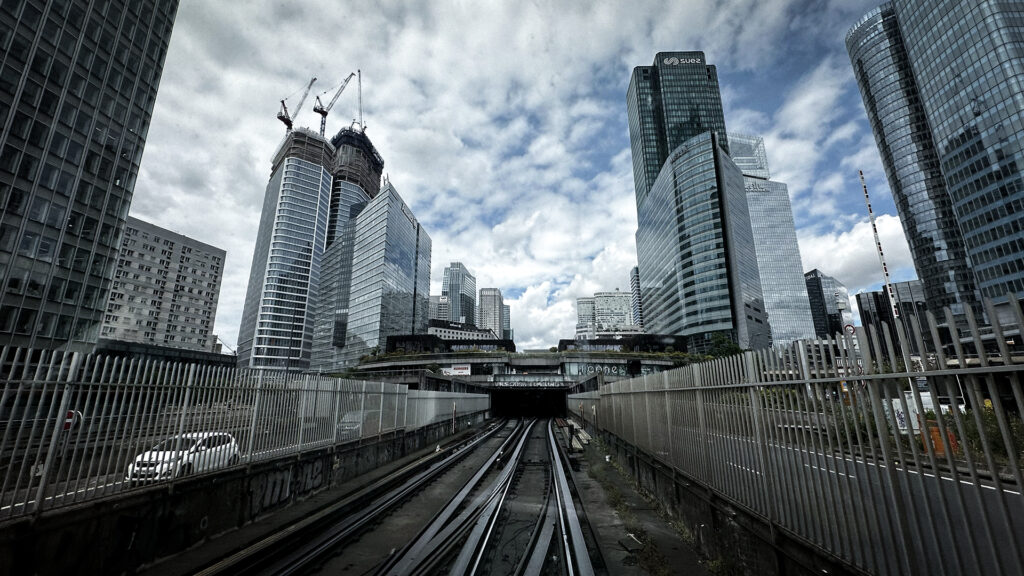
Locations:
{"points": [[538, 384]]}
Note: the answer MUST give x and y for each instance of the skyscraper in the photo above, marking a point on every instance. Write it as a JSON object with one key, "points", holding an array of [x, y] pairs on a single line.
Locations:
{"points": [[585, 321], [165, 290], [277, 320], [830, 303], [875, 309], [78, 82], [911, 159], [695, 248], [390, 293], [636, 300], [607, 312], [506, 323], [356, 172], [459, 285], [941, 82], [778, 253], [492, 306], [668, 103]]}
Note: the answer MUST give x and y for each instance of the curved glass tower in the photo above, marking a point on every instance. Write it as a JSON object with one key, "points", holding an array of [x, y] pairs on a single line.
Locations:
{"points": [[277, 321], [895, 110]]}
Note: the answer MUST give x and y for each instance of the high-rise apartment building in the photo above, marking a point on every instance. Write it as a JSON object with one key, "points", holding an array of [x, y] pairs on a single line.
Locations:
{"points": [[165, 289], [604, 312], [695, 248], [78, 81], [668, 103], [356, 172], [830, 304], [491, 308], [636, 300], [459, 285], [277, 320], [941, 82], [390, 292], [585, 319], [778, 253], [911, 302]]}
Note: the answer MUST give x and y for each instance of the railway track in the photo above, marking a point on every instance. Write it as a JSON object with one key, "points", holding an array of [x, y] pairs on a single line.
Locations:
{"points": [[500, 504]]}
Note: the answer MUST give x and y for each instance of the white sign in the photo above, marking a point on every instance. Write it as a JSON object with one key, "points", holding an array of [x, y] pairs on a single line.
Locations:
{"points": [[456, 370], [673, 61]]}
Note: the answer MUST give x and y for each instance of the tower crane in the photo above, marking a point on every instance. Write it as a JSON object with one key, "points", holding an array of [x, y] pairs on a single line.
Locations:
{"points": [[322, 110], [283, 115]]}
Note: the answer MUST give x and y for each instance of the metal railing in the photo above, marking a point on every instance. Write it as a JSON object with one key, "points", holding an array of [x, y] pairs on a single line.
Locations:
{"points": [[75, 427], [892, 464]]}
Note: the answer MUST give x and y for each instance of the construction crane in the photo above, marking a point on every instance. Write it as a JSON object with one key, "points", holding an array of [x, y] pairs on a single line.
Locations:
{"points": [[322, 110], [283, 115]]}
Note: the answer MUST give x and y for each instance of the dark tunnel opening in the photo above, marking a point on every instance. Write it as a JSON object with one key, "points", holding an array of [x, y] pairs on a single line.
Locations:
{"points": [[528, 402]]}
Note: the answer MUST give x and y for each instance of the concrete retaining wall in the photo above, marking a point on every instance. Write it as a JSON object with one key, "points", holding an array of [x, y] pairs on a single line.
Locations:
{"points": [[117, 535], [734, 541]]}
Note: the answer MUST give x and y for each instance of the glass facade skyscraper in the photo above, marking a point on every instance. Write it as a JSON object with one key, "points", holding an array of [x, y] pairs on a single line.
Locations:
{"points": [[911, 160], [356, 170], [669, 102], [874, 309], [276, 331], [636, 300], [778, 253], [695, 248], [390, 293], [78, 81], [491, 308], [459, 285], [830, 303], [960, 75]]}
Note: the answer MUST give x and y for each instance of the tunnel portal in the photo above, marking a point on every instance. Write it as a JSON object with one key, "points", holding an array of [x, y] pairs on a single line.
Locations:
{"points": [[518, 402]]}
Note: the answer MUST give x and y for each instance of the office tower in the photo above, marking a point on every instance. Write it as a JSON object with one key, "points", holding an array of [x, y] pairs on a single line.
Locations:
{"points": [[586, 322], [875, 309], [165, 289], [459, 285], [613, 310], [492, 306], [439, 308], [778, 254], [356, 171], [911, 160], [695, 249], [78, 81], [668, 103], [636, 302], [390, 292], [277, 320], [506, 323], [941, 85], [830, 304]]}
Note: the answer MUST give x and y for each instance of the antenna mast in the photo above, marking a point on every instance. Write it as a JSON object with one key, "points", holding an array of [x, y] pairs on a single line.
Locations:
{"points": [[359, 84], [878, 246]]}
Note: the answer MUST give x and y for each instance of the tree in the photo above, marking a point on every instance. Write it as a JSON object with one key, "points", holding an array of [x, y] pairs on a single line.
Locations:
{"points": [[722, 346]]}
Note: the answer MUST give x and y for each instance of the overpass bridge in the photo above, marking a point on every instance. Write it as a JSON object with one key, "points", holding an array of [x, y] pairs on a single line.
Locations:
{"points": [[825, 457]]}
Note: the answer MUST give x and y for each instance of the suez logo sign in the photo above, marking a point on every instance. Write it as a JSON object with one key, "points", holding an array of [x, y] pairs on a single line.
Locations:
{"points": [[673, 61]]}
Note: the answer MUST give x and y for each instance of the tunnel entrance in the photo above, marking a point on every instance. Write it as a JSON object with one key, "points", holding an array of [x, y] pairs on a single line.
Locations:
{"points": [[528, 402]]}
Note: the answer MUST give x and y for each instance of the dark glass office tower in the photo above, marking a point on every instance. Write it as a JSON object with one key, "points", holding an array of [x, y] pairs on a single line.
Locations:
{"points": [[875, 309], [893, 103], [963, 62], [390, 289], [78, 81], [357, 171], [695, 250], [830, 304], [668, 103]]}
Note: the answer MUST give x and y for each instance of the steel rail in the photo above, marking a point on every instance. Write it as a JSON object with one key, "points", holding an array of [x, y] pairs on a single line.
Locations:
{"points": [[575, 546], [411, 477]]}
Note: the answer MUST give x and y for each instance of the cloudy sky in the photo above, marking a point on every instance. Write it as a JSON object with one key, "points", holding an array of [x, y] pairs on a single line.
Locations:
{"points": [[503, 126]]}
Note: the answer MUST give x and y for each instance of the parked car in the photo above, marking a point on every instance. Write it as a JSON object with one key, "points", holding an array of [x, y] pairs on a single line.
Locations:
{"points": [[183, 455]]}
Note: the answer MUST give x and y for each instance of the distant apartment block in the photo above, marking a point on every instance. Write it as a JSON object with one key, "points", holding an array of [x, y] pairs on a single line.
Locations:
{"points": [[165, 289]]}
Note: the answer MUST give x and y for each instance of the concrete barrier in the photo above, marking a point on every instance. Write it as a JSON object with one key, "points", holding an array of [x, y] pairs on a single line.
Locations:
{"points": [[119, 534]]}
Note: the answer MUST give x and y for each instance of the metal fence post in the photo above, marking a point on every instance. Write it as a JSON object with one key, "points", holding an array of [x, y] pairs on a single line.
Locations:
{"points": [[750, 378], [255, 412], [184, 410], [58, 425]]}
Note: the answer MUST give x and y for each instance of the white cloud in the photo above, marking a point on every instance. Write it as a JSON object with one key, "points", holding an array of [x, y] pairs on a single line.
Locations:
{"points": [[502, 125], [850, 255]]}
